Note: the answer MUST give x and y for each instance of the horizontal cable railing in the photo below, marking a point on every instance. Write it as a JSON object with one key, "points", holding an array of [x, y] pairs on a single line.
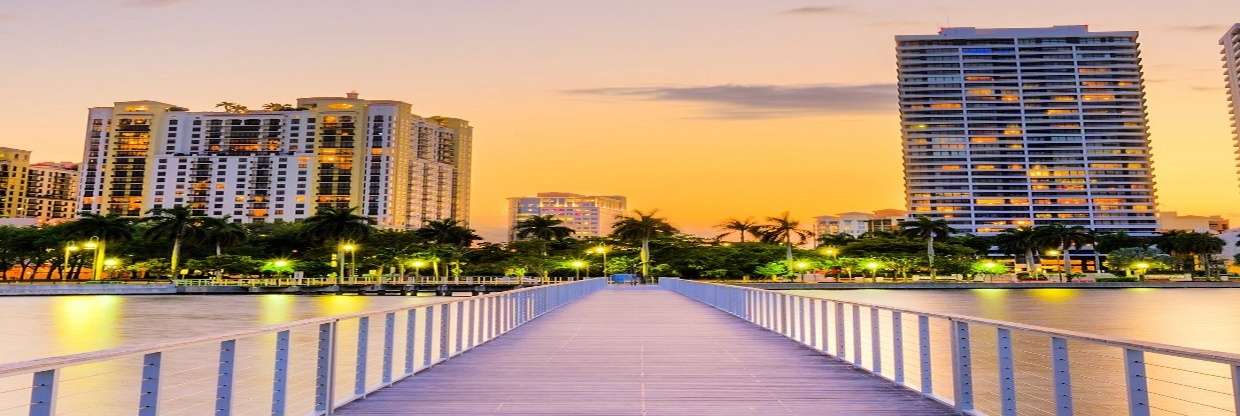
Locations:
{"points": [[310, 366], [985, 366]]}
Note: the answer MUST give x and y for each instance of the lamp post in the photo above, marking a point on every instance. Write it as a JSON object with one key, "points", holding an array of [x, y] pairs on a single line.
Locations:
{"points": [[417, 269], [602, 250], [111, 263], [577, 265], [801, 266], [873, 268], [69, 250], [350, 248], [1142, 267], [1055, 253], [96, 267]]}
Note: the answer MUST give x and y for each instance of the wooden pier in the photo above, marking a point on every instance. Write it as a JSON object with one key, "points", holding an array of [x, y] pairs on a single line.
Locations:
{"points": [[643, 351]]}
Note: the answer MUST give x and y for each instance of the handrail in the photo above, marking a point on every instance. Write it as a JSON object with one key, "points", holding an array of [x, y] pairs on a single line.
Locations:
{"points": [[785, 314], [40, 364], [462, 323]]}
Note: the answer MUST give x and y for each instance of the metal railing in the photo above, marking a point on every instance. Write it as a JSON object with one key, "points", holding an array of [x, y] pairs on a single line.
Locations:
{"points": [[267, 376], [984, 366]]}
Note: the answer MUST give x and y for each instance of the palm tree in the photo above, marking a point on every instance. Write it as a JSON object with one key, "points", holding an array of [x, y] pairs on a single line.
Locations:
{"points": [[782, 229], [276, 107], [227, 106], [174, 224], [929, 229], [740, 228], [542, 227], [105, 228], [1024, 240], [222, 232], [641, 227], [448, 236], [338, 225], [1066, 238], [1194, 246]]}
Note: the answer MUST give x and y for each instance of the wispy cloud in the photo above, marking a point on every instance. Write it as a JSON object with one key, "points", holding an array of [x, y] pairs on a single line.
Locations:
{"points": [[153, 3], [815, 10], [766, 101], [1204, 28]]}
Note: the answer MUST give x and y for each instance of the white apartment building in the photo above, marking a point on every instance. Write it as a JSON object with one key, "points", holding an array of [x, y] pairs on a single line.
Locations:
{"points": [[858, 223], [278, 164], [51, 192], [1231, 69], [1011, 127], [587, 215]]}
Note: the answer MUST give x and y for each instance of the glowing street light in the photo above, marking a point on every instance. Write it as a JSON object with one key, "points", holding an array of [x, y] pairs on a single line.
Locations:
{"points": [[872, 266], [601, 250], [577, 265], [350, 248], [829, 252], [417, 268], [69, 250], [111, 262], [1142, 267]]}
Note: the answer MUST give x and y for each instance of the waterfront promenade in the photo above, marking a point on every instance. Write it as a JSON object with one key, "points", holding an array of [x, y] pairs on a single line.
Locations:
{"points": [[643, 351]]}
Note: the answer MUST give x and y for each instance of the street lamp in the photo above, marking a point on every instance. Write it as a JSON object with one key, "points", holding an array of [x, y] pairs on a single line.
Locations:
{"points": [[829, 252], [351, 248], [577, 265], [111, 263], [1142, 267], [69, 250], [601, 249], [96, 268], [801, 266], [417, 268], [872, 266]]}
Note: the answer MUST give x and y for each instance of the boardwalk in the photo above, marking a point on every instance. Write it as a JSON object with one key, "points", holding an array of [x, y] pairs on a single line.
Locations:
{"points": [[643, 351]]}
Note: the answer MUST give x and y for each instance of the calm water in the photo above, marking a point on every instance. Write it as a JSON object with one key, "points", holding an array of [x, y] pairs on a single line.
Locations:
{"points": [[1201, 318]]}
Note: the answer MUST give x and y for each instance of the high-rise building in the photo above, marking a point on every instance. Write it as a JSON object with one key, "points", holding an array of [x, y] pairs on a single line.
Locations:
{"points": [[51, 192], [858, 223], [1011, 127], [588, 216], [14, 164], [1231, 69], [278, 164]]}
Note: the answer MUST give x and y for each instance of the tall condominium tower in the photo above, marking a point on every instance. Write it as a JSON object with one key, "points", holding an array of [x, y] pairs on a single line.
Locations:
{"points": [[587, 215], [278, 164], [1231, 69], [1012, 127], [14, 164], [51, 192]]}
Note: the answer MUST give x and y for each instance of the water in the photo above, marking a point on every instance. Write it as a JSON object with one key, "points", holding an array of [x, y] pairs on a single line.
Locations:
{"points": [[1199, 318], [35, 327]]}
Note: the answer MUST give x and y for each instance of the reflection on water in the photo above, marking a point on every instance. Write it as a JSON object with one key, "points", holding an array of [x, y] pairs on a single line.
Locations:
{"points": [[1199, 318]]}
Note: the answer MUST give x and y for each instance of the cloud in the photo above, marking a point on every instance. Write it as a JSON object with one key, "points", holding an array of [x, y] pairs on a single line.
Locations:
{"points": [[153, 3], [766, 101], [815, 10], [1206, 28]]}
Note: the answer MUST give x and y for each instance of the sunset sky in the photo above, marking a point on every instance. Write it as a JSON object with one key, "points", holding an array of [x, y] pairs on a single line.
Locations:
{"points": [[702, 109]]}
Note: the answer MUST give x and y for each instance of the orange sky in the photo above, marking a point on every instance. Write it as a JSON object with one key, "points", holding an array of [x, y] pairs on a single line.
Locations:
{"points": [[703, 109]]}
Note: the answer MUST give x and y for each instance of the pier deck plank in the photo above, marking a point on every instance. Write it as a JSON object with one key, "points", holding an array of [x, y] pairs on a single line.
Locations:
{"points": [[643, 351]]}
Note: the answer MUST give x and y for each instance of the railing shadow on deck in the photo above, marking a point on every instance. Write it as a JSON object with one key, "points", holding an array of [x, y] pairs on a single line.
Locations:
{"points": [[993, 367], [428, 334]]}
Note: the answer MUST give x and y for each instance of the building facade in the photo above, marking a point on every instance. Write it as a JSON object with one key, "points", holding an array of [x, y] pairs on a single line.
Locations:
{"points": [[14, 167], [587, 215], [1171, 221], [858, 223], [279, 164], [1005, 128], [1231, 70], [51, 192]]}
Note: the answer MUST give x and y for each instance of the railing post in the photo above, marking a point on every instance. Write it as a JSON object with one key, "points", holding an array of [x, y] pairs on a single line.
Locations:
{"points": [[460, 328], [813, 323], [897, 347], [363, 335], [411, 331], [962, 366], [1235, 386], [840, 343], [43, 393], [324, 374], [876, 344], [445, 325], [824, 322], [473, 322], [856, 325], [1138, 393], [389, 341], [798, 327], [279, 375], [783, 314], [148, 395], [923, 346], [1061, 376], [428, 335], [1007, 372], [224, 379]]}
